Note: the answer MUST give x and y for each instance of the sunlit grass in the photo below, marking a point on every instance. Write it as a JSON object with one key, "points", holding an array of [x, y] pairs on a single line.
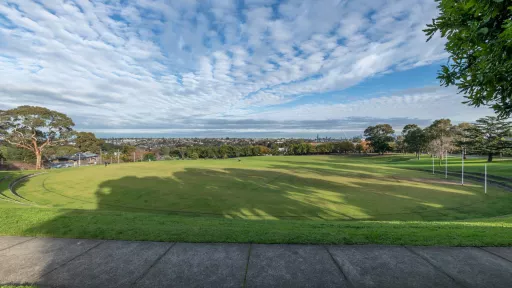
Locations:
{"points": [[278, 187], [306, 199]]}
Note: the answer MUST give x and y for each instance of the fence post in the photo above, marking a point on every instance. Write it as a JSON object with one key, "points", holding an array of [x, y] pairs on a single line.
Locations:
{"points": [[462, 166], [485, 176], [446, 165]]}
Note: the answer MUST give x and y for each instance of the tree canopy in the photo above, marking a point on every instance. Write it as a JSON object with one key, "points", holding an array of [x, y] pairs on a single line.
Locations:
{"points": [[87, 142], [439, 136], [489, 135], [379, 137], [35, 128], [415, 138], [479, 40]]}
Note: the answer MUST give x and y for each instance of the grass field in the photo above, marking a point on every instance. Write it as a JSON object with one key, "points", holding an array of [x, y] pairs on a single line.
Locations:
{"points": [[293, 199]]}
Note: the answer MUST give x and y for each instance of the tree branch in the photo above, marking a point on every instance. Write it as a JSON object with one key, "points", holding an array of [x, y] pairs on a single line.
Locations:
{"points": [[19, 145], [48, 141]]}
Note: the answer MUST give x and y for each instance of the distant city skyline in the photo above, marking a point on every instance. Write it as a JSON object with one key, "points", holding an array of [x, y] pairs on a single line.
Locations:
{"points": [[253, 68], [260, 135]]}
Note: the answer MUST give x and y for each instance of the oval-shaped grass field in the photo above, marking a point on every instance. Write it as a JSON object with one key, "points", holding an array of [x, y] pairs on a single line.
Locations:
{"points": [[291, 187]]}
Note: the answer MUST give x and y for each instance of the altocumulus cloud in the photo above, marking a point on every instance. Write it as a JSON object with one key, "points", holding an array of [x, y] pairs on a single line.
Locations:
{"points": [[157, 66]]}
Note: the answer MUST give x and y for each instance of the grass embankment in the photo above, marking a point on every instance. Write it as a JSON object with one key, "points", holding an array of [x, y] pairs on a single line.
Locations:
{"points": [[158, 227], [264, 200]]}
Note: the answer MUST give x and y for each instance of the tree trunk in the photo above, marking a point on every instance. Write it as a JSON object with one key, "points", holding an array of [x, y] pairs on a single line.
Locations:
{"points": [[489, 157], [38, 160]]}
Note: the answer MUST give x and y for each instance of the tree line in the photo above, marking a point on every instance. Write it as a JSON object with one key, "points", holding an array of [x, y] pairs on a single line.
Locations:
{"points": [[488, 136], [37, 133]]}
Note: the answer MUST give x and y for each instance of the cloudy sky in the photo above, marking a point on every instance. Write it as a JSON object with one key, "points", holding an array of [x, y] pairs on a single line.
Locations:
{"points": [[226, 68]]}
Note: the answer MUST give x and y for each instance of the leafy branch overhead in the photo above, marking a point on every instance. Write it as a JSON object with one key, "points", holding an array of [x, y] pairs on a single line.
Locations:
{"points": [[479, 40]]}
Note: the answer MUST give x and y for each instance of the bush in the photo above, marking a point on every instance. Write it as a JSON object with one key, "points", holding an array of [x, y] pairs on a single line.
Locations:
{"points": [[194, 156], [149, 157]]}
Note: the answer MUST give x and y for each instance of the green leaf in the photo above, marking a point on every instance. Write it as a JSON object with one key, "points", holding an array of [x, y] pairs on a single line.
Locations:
{"points": [[484, 30]]}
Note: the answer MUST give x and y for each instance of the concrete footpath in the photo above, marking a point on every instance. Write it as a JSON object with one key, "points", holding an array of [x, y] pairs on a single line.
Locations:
{"points": [[51, 262]]}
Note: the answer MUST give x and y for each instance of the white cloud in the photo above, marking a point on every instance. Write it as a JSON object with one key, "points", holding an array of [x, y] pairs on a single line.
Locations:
{"points": [[118, 64]]}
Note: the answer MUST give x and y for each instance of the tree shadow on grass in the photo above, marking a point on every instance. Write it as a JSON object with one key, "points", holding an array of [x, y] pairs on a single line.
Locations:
{"points": [[302, 193], [220, 205]]}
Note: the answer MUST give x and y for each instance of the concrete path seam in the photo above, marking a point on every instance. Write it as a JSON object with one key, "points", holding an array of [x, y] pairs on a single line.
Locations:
{"points": [[18, 244], [67, 262], [349, 283], [247, 265], [152, 265], [435, 267], [488, 251]]}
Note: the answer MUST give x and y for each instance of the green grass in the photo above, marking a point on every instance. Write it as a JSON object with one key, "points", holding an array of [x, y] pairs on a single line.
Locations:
{"points": [[499, 168], [308, 199]]}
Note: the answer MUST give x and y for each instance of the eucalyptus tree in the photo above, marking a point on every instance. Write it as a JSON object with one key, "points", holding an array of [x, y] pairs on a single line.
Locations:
{"points": [[35, 128]]}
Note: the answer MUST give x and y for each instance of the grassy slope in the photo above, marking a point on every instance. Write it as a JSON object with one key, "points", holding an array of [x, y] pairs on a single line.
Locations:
{"points": [[126, 224], [315, 188], [159, 227]]}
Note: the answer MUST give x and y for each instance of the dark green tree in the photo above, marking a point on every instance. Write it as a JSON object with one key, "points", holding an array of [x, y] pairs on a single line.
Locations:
{"points": [[59, 151], [193, 155], [415, 138], [359, 148], [127, 153], [379, 137], [165, 151], [87, 142], [462, 136], [275, 149], [35, 128], [489, 135], [149, 156], [479, 39], [346, 146]]}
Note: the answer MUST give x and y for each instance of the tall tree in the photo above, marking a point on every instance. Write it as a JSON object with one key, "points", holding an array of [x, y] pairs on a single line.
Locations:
{"points": [[87, 142], [346, 146], [462, 137], [379, 137], [440, 135], [489, 135], [400, 145], [127, 153], [479, 39], [35, 128], [415, 138]]}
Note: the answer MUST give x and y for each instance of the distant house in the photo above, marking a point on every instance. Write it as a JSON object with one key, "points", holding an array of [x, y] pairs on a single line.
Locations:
{"points": [[84, 158]]}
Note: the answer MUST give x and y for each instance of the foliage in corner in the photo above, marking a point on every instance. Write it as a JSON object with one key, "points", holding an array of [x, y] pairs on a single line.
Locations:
{"points": [[479, 40]]}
